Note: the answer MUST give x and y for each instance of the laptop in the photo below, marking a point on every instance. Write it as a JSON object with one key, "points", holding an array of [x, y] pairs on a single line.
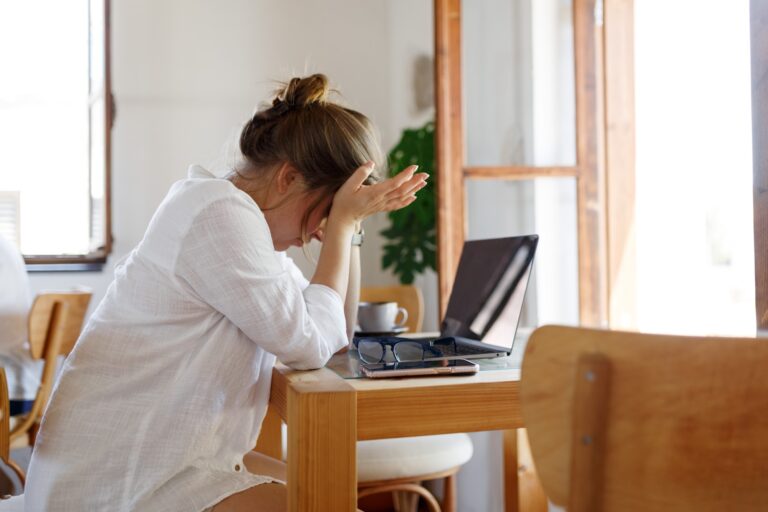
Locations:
{"points": [[485, 304]]}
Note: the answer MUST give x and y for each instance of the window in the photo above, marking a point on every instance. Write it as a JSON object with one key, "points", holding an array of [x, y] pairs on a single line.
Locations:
{"points": [[55, 120], [695, 239], [518, 142], [648, 241]]}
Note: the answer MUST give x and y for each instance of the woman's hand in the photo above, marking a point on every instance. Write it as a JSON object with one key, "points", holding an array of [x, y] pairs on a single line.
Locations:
{"points": [[355, 201], [352, 203]]}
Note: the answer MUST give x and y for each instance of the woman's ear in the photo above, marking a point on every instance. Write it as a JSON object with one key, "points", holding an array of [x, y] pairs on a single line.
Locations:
{"points": [[286, 176]]}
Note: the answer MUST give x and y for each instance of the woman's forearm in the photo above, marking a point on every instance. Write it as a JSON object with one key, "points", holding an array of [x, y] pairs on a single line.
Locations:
{"points": [[333, 265], [353, 291]]}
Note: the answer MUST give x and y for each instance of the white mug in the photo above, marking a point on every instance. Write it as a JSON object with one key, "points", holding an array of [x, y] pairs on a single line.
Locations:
{"points": [[380, 316]]}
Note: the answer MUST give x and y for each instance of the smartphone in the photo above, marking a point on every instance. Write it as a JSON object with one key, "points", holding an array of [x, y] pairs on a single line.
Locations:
{"points": [[416, 368]]}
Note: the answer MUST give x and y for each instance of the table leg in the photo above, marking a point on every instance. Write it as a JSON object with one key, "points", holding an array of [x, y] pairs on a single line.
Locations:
{"points": [[322, 440], [522, 488], [511, 485]]}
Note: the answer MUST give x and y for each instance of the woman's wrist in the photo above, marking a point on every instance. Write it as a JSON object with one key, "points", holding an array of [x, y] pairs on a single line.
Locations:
{"points": [[344, 222], [342, 229]]}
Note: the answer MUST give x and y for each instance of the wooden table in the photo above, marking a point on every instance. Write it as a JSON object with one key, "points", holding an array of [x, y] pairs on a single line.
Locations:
{"points": [[326, 414]]}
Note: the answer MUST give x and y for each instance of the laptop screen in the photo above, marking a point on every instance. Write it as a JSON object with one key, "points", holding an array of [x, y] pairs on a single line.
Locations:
{"points": [[487, 295]]}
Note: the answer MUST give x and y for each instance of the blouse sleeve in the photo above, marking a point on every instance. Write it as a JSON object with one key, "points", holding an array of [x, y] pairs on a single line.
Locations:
{"points": [[294, 271], [228, 260]]}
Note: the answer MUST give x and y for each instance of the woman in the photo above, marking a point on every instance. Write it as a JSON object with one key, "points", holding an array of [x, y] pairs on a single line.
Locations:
{"points": [[162, 399]]}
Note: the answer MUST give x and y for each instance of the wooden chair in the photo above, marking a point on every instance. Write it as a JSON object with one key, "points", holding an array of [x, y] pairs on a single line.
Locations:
{"points": [[401, 465], [55, 321], [406, 296], [5, 437], [631, 422]]}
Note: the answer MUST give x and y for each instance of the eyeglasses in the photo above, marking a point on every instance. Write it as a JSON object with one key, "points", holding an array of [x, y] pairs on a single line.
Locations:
{"points": [[374, 350]]}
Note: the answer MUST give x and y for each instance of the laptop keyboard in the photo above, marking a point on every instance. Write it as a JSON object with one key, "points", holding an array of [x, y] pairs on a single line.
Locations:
{"points": [[464, 350]]}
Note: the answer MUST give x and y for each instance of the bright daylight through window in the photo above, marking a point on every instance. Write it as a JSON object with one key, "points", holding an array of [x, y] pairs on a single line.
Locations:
{"points": [[694, 168], [53, 136]]}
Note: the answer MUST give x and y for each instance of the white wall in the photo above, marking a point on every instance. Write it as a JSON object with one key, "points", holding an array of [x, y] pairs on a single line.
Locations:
{"points": [[187, 74]]}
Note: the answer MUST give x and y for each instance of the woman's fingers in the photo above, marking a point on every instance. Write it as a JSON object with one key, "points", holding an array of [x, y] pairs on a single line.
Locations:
{"points": [[415, 184], [397, 192], [359, 176], [398, 204], [356, 200], [397, 181]]}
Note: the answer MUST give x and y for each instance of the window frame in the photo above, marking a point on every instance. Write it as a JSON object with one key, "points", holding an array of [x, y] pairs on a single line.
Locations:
{"points": [[589, 171], [759, 42], [604, 66], [95, 259]]}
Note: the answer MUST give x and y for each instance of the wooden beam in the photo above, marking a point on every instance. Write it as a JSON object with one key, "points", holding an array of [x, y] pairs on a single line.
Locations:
{"points": [[407, 412], [588, 432], [531, 493], [619, 87], [322, 447], [519, 172], [511, 485], [591, 182], [759, 46], [449, 145]]}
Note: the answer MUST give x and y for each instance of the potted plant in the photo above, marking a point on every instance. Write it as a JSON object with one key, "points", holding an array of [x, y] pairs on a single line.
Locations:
{"points": [[411, 237]]}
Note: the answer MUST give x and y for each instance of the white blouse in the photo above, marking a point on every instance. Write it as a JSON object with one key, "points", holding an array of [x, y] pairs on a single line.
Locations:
{"points": [[169, 382]]}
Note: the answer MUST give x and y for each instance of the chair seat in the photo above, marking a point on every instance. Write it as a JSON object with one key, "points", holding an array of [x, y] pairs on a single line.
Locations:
{"points": [[15, 504], [389, 459]]}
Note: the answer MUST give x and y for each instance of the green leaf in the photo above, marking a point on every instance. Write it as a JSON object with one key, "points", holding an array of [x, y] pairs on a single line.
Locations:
{"points": [[410, 246]]}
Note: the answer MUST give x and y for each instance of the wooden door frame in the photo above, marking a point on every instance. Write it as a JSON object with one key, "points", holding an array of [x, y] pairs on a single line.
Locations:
{"points": [[759, 44], [589, 170]]}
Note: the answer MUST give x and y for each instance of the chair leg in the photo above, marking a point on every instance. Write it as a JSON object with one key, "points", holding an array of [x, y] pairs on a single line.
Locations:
{"points": [[404, 501], [32, 433], [404, 488], [449, 493]]}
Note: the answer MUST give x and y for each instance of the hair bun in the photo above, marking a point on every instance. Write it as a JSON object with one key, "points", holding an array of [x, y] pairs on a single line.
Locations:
{"points": [[301, 92]]}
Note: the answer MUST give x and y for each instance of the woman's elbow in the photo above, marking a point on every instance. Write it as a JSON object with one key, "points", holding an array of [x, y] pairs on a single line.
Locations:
{"points": [[319, 355]]}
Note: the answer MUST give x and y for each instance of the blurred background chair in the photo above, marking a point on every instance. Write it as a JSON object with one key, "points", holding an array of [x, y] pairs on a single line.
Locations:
{"points": [[11, 474], [401, 465], [55, 321], [635, 422]]}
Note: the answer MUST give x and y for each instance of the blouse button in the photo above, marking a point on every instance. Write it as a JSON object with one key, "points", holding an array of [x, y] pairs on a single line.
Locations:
{"points": [[237, 467]]}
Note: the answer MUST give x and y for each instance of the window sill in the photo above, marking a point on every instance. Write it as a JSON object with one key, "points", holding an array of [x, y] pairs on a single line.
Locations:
{"points": [[66, 267], [93, 262]]}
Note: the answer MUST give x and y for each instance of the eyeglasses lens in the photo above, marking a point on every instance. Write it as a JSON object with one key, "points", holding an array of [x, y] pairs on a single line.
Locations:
{"points": [[409, 351], [370, 351]]}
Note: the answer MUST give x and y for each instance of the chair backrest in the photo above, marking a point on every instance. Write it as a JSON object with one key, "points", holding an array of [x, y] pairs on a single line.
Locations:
{"points": [[631, 422], [5, 420], [58, 314], [407, 296], [55, 321]]}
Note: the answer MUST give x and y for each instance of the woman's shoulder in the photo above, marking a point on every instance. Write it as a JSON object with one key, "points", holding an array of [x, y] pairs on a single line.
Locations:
{"points": [[202, 188], [203, 193], [200, 203]]}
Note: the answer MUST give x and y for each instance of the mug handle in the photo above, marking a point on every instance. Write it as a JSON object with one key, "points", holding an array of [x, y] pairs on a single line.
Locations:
{"points": [[405, 317]]}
